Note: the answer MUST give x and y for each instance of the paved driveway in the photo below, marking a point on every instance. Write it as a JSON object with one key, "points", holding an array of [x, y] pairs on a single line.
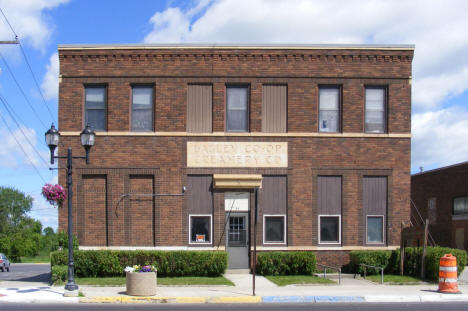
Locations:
{"points": [[24, 272]]}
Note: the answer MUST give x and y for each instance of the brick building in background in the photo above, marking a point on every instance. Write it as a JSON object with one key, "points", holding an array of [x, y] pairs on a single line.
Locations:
{"points": [[323, 129], [441, 195]]}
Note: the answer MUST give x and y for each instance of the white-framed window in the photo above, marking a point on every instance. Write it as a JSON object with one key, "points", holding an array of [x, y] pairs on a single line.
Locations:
{"points": [[375, 115], [95, 107], [375, 232], [329, 229], [237, 108], [329, 109], [142, 108], [274, 229], [201, 228]]}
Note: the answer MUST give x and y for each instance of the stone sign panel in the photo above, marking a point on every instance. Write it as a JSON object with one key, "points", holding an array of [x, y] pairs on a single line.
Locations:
{"points": [[237, 154]]}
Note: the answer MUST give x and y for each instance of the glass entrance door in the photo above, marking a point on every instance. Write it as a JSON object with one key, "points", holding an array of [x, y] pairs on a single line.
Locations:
{"points": [[237, 244]]}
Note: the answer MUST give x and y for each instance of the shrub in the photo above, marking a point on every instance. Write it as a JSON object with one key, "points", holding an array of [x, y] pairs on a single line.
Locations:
{"points": [[169, 263], [433, 254], [58, 274], [286, 263], [390, 260], [372, 258]]}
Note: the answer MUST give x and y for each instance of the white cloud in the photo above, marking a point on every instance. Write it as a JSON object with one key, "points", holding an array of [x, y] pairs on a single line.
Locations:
{"points": [[11, 153], [437, 28], [50, 82], [28, 19], [439, 138]]}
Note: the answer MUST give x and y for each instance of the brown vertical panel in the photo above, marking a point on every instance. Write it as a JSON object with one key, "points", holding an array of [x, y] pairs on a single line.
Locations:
{"points": [[274, 108], [199, 108], [141, 210], [199, 195], [273, 195], [374, 195], [329, 195], [95, 204]]}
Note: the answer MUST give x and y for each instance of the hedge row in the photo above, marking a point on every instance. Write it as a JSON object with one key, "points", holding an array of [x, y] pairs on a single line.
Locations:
{"points": [[390, 260], [58, 274], [286, 263], [106, 263]]}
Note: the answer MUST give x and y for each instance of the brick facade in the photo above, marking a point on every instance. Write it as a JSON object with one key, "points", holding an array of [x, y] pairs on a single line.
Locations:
{"points": [[442, 185], [123, 162]]}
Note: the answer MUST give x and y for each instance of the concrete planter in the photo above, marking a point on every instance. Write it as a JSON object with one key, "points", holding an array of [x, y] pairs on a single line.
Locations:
{"points": [[141, 283]]}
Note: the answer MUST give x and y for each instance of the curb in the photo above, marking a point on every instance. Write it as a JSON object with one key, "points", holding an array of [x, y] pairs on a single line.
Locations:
{"points": [[221, 300], [272, 299]]}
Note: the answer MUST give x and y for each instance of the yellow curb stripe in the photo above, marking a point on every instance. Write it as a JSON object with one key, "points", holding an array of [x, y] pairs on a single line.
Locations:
{"points": [[190, 300], [244, 299]]}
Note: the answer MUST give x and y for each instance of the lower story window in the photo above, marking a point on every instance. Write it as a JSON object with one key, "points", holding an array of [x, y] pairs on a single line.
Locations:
{"points": [[200, 229], [375, 232], [330, 229], [274, 229]]}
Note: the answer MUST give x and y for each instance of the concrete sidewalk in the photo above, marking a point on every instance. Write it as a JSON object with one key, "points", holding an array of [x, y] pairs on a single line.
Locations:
{"points": [[350, 290]]}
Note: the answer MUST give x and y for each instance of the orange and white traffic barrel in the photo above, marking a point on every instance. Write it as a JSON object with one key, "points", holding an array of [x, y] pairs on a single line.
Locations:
{"points": [[448, 274]]}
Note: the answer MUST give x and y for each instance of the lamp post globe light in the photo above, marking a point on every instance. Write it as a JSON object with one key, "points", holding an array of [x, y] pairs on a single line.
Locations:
{"points": [[52, 137]]}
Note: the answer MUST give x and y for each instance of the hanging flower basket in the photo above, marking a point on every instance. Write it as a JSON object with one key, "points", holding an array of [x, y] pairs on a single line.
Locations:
{"points": [[54, 194], [141, 280]]}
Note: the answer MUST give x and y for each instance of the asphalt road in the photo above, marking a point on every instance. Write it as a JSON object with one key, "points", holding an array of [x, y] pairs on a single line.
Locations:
{"points": [[260, 307], [23, 272]]}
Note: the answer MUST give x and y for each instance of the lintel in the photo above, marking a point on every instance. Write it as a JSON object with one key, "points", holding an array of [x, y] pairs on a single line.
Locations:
{"points": [[237, 181]]}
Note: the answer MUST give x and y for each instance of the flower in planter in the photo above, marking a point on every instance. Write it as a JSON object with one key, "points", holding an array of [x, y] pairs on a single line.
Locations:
{"points": [[138, 268]]}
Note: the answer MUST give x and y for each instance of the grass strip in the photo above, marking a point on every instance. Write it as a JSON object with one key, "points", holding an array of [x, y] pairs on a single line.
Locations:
{"points": [[184, 280], [395, 279], [283, 280]]}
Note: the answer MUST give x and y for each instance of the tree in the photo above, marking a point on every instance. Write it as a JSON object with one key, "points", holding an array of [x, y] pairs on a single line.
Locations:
{"points": [[13, 208], [20, 235]]}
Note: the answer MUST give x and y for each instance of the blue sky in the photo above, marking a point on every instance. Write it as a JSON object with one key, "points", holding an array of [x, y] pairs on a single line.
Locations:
{"points": [[440, 66]]}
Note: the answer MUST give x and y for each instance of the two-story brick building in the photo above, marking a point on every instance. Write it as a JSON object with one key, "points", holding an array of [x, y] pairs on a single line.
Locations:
{"points": [[441, 196], [323, 129]]}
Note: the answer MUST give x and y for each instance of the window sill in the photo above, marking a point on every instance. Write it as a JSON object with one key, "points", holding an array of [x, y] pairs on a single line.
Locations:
{"points": [[460, 217]]}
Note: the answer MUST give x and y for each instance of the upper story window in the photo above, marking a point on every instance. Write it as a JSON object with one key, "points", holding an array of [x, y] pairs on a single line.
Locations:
{"points": [[199, 108], [237, 109], [274, 108], [142, 108], [95, 107], [460, 206], [375, 115], [329, 109]]}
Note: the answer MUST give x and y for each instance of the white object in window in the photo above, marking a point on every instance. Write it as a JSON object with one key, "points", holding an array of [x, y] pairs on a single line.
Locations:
{"points": [[329, 109], [200, 229], [236, 201]]}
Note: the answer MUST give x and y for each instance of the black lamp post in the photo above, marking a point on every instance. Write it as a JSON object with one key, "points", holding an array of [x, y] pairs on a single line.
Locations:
{"points": [[52, 137]]}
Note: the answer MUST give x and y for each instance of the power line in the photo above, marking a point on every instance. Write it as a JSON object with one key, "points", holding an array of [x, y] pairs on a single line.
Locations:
{"points": [[9, 110], [29, 65], [22, 149], [22, 91]]}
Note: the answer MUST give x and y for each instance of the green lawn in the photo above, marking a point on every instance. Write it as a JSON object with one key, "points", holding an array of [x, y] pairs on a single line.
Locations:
{"points": [[282, 280], [186, 280], [395, 279], [43, 257]]}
